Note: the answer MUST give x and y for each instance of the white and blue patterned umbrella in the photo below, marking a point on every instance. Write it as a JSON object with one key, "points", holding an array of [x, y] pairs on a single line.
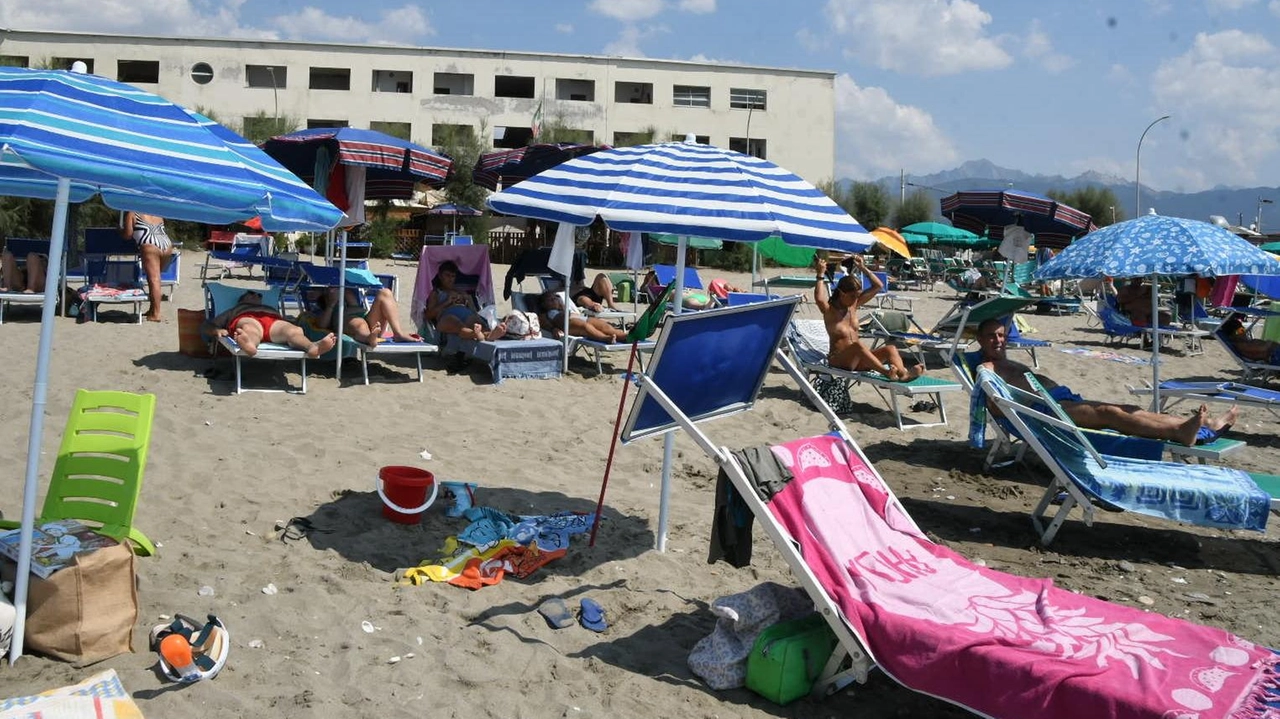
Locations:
{"points": [[683, 188], [67, 136], [1159, 245]]}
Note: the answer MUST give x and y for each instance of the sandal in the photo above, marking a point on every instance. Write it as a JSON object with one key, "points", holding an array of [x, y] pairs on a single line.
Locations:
{"points": [[298, 528]]}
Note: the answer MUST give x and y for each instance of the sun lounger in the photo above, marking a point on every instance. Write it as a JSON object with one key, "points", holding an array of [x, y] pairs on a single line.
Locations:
{"points": [[1000, 645], [1252, 369], [220, 298], [1119, 329], [1174, 392]]}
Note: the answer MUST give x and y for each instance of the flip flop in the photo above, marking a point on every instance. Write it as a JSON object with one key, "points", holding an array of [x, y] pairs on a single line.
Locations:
{"points": [[556, 612], [591, 615]]}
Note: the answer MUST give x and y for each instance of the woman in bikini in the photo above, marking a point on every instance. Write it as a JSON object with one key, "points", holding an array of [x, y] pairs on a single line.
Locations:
{"points": [[156, 250], [366, 327]]}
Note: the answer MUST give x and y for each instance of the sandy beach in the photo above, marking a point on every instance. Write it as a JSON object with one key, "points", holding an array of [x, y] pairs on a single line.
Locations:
{"points": [[225, 471]]}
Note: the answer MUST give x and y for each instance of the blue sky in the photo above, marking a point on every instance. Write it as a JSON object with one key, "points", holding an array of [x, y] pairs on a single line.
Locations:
{"points": [[1043, 86]]}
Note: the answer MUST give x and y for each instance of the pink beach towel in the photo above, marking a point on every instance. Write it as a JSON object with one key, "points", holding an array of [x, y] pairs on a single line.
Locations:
{"points": [[1001, 645], [1224, 291], [471, 260]]}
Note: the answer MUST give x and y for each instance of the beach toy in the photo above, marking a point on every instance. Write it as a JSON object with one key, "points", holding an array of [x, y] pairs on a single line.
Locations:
{"points": [[404, 495], [188, 651], [463, 495]]}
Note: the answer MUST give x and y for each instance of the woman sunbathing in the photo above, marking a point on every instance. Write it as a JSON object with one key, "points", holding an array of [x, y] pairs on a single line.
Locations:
{"points": [[250, 323], [453, 312], [366, 327], [551, 317]]}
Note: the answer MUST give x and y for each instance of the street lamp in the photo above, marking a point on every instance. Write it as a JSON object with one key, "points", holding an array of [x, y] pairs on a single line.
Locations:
{"points": [[1137, 174], [275, 98], [1257, 221]]}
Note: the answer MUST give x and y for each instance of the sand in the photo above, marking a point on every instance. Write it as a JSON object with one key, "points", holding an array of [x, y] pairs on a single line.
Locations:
{"points": [[226, 470]]}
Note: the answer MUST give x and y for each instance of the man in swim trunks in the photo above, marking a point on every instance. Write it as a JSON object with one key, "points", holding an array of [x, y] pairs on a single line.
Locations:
{"points": [[1250, 348], [840, 314], [1125, 418], [250, 323]]}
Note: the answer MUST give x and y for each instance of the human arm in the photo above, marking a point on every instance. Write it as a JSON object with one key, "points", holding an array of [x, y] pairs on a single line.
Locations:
{"points": [[821, 293], [436, 304], [876, 285], [126, 227]]}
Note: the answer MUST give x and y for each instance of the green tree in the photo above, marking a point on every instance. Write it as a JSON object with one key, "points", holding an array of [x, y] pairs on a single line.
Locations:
{"points": [[918, 207], [261, 127], [1100, 203], [462, 143], [870, 204]]}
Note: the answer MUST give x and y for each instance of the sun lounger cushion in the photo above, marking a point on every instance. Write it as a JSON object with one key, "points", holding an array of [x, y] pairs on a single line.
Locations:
{"points": [[1001, 645]]}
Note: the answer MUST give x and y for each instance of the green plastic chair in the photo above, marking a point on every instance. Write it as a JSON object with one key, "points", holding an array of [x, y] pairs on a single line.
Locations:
{"points": [[98, 473]]}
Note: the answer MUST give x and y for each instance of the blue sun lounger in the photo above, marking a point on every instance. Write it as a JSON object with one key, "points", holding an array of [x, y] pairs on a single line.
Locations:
{"points": [[1174, 392]]}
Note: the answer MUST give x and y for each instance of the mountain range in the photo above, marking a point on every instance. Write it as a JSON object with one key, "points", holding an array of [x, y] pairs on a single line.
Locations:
{"points": [[1239, 205]]}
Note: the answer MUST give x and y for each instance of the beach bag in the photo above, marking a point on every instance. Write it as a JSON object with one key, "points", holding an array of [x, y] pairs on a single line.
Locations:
{"points": [[522, 325], [190, 343], [84, 612], [787, 658]]}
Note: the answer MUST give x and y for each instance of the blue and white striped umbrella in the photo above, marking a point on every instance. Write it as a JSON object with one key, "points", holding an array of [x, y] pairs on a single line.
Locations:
{"points": [[683, 188], [1159, 245], [141, 152]]}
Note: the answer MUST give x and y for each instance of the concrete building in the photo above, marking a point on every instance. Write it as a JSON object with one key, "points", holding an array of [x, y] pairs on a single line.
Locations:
{"points": [[786, 116]]}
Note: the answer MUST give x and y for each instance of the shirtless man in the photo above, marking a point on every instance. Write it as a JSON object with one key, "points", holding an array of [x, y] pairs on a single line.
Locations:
{"points": [[840, 314], [1125, 418], [250, 321]]}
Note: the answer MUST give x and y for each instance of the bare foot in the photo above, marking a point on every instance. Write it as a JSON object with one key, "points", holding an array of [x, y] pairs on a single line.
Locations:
{"points": [[375, 334], [915, 371], [320, 347], [1187, 431], [497, 332], [28, 292], [153, 318], [1223, 422], [247, 344]]}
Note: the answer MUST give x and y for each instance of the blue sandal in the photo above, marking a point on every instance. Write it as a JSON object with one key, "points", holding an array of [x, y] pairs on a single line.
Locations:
{"points": [[591, 615]]}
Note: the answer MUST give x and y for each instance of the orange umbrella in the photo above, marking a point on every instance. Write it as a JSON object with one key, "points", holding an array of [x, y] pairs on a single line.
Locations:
{"points": [[891, 240]]}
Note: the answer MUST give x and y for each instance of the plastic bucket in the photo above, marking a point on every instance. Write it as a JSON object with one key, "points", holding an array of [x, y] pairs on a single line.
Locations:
{"points": [[404, 493]]}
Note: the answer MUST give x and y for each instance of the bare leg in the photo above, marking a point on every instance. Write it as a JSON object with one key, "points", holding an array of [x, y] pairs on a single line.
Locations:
{"points": [[603, 287], [385, 312], [594, 329], [248, 334], [364, 331], [855, 357], [1223, 421], [12, 278], [288, 333], [889, 355], [36, 267], [151, 259], [1133, 420]]}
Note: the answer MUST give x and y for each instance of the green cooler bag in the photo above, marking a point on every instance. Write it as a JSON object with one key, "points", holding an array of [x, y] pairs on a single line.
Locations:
{"points": [[788, 656]]}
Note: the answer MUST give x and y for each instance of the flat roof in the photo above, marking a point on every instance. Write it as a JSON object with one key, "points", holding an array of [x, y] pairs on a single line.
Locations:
{"points": [[298, 44]]}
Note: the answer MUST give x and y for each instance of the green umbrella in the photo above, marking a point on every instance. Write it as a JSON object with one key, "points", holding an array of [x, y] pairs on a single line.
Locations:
{"points": [[1270, 247], [914, 239], [938, 232], [695, 243]]}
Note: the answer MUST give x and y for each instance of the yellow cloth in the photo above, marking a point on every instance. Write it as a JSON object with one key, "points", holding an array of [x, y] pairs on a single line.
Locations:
{"points": [[101, 696], [452, 561]]}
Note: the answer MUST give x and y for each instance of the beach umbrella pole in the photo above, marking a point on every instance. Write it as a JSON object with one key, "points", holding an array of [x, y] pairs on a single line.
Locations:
{"points": [[57, 238], [342, 300], [669, 440], [1155, 343], [617, 429]]}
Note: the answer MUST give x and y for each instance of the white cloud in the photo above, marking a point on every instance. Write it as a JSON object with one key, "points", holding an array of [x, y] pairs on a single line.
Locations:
{"points": [[1224, 95], [627, 10], [1119, 73], [627, 44], [403, 25], [564, 27], [813, 42], [1038, 45], [701, 7], [924, 37], [1229, 5], [876, 136], [1274, 7]]}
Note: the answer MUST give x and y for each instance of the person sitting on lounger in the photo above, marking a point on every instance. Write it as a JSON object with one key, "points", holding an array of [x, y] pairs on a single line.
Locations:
{"points": [[250, 323], [18, 279], [1134, 300], [454, 312], [1258, 350], [596, 297], [365, 327], [840, 314], [1125, 418], [551, 317]]}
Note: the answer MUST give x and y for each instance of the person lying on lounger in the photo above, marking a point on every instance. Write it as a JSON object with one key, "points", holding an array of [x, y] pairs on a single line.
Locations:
{"points": [[453, 311], [18, 279], [1125, 418], [365, 327], [596, 297], [250, 323], [551, 317], [1258, 350], [840, 315], [694, 299]]}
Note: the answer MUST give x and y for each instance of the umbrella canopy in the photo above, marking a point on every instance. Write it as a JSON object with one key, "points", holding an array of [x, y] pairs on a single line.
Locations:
{"points": [[67, 134], [938, 232], [914, 239], [507, 167], [453, 209], [693, 243], [892, 241], [56, 124], [392, 166], [1154, 245], [987, 212]]}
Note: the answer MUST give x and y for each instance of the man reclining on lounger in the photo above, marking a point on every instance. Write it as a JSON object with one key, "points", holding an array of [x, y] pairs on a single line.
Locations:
{"points": [[840, 315], [250, 322], [1250, 348], [1125, 418]]}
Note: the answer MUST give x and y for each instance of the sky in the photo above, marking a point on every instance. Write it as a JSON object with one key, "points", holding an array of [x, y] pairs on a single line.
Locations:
{"points": [[1055, 87]]}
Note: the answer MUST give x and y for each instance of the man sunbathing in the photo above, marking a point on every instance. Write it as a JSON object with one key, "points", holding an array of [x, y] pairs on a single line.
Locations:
{"points": [[1125, 418], [1250, 348], [250, 322], [840, 315]]}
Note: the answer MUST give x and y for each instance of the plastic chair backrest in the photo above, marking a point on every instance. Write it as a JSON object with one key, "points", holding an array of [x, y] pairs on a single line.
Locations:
{"points": [[98, 473], [461, 240], [101, 270]]}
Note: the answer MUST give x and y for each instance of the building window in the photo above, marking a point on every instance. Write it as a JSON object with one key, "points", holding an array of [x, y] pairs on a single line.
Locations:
{"points": [[740, 99], [631, 139], [64, 63], [636, 93], [261, 127], [138, 71], [578, 137], [330, 78], [443, 134], [755, 146], [576, 90], [700, 139], [452, 83], [15, 61], [512, 86], [511, 137], [392, 81], [201, 73], [274, 77], [691, 96], [394, 129], [313, 124]]}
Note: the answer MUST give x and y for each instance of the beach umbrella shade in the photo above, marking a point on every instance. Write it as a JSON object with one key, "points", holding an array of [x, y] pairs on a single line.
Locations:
{"points": [[914, 239], [504, 168], [1153, 245], [692, 243], [938, 232], [454, 210], [68, 136], [987, 212], [892, 241], [690, 190]]}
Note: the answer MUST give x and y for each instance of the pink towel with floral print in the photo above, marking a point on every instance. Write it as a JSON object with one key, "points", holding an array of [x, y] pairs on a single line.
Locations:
{"points": [[1001, 645]]}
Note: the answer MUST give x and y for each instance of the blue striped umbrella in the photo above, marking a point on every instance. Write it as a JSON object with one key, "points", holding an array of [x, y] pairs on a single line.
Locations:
{"points": [[67, 136]]}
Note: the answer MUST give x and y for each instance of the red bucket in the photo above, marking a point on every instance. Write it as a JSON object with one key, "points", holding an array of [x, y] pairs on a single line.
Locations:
{"points": [[404, 494]]}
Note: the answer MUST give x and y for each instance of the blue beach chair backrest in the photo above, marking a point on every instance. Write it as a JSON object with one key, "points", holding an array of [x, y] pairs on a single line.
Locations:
{"points": [[666, 274]]}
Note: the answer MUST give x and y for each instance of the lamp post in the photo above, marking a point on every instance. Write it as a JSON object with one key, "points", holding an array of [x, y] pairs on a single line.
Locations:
{"points": [[1257, 220], [275, 99], [1137, 173]]}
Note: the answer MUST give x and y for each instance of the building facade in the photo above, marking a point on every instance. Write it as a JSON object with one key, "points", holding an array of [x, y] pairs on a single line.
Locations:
{"points": [[423, 94]]}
